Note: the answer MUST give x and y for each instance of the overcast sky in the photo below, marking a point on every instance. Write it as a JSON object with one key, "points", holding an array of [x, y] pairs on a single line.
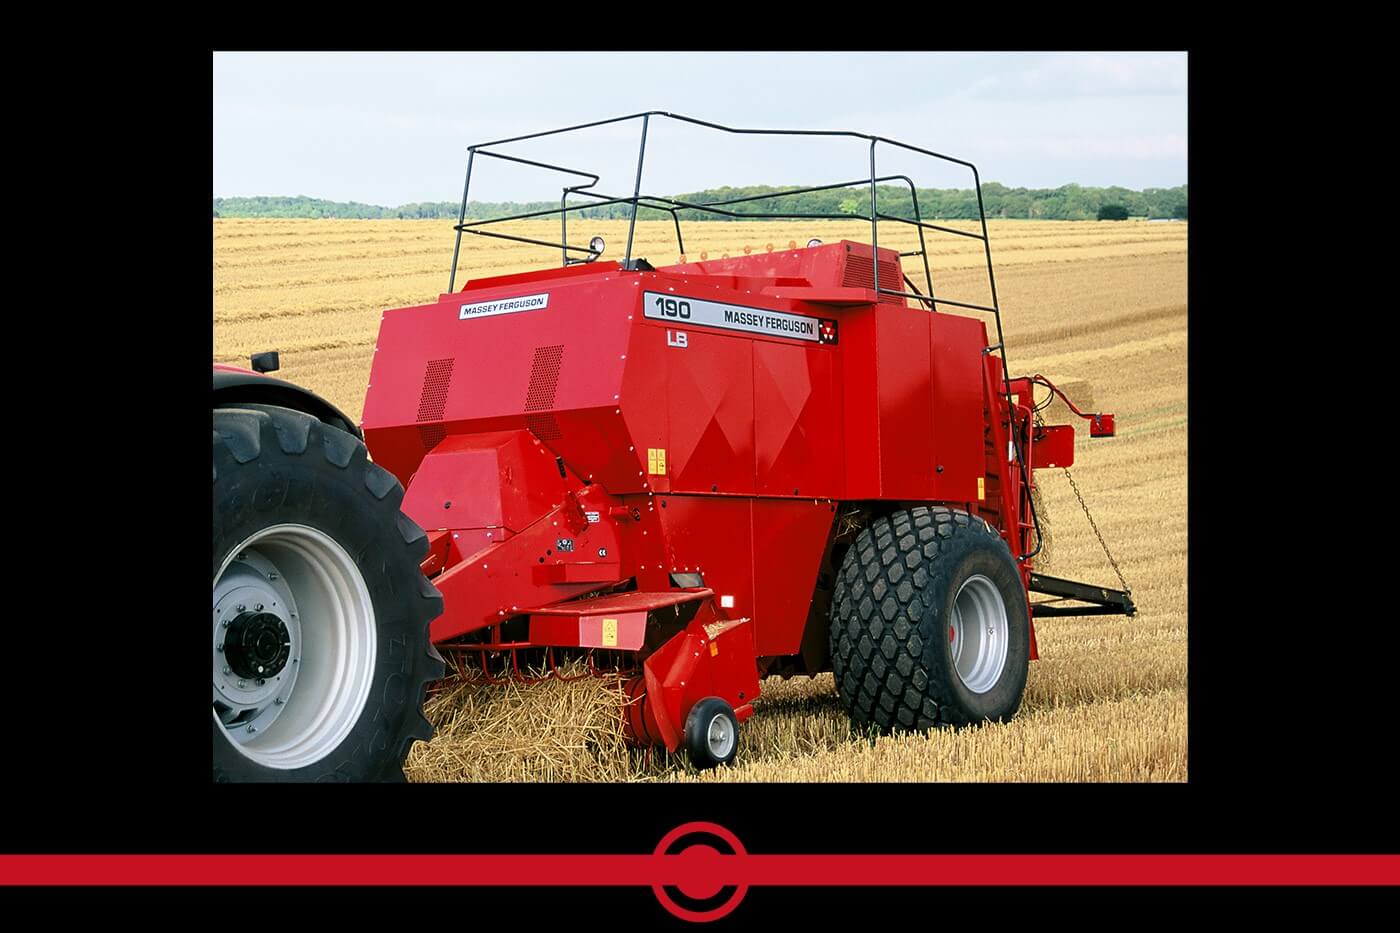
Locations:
{"points": [[392, 128]]}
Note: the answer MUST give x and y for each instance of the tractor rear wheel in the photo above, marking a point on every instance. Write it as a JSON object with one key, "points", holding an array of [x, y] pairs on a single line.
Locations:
{"points": [[320, 641], [929, 623]]}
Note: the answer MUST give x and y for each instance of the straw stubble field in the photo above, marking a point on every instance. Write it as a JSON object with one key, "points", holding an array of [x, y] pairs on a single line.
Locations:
{"points": [[1101, 306]]}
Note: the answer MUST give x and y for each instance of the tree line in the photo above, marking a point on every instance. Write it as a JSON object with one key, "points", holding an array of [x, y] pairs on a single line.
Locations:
{"points": [[1068, 202]]}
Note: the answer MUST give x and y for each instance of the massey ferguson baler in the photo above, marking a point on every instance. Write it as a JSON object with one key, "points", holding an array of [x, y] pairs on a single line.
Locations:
{"points": [[708, 472]]}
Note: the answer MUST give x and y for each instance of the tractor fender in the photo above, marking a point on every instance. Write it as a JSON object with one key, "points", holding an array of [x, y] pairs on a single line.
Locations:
{"points": [[234, 386]]}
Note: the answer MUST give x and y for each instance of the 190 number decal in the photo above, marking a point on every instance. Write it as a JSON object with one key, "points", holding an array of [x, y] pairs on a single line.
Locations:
{"points": [[673, 308]]}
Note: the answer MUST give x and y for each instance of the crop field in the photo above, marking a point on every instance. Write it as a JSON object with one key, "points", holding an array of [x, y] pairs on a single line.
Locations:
{"points": [[1098, 307]]}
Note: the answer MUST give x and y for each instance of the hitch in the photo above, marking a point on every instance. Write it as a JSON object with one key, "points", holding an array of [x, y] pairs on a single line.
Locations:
{"points": [[1102, 600]]}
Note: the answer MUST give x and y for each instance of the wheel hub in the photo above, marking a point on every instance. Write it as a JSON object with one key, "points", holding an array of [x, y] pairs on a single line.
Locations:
{"points": [[720, 737], [294, 646], [256, 625], [257, 645]]}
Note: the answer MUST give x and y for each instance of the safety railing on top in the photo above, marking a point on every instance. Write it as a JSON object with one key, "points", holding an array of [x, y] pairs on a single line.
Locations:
{"points": [[674, 205]]}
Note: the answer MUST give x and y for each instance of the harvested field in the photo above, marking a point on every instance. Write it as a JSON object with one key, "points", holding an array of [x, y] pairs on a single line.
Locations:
{"points": [[1100, 307]]}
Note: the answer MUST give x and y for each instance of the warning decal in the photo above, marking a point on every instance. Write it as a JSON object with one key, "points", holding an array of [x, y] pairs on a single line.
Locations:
{"points": [[656, 461]]}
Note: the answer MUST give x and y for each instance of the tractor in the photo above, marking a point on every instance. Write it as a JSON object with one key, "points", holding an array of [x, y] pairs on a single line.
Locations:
{"points": [[695, 475]]}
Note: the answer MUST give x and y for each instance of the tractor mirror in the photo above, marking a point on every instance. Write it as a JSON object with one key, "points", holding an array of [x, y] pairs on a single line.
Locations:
{"points": [[266, 362]]}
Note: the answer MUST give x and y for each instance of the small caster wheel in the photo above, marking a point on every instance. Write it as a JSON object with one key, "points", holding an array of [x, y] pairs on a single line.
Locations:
{"points": [[711, 733]]}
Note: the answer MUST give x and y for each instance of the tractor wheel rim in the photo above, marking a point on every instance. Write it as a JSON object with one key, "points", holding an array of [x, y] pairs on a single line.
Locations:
{"points": [[294, 646], [979, 634], [720, 736]]}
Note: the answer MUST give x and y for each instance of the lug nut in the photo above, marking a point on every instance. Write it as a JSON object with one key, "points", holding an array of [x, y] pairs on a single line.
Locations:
{"points": [[258, 607], [252, 728], [227, 671], [272, 575], [241, 685], [240, 607], [224, 623], [219, 648], [279, 701]]}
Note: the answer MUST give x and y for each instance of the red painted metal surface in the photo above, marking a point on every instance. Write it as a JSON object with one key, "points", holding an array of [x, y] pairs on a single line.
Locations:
{"points": [[626, 602], [585, 446], [1100, 423], [625, 631], [503, 479], [711, 657], [509, 577], [616, 621], [1053, 446]]}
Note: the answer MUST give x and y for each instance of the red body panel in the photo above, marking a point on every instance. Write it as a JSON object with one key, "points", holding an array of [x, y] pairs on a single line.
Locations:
{"points": [[593, 425], [627, 631], [1054, 447], [498, 480]]}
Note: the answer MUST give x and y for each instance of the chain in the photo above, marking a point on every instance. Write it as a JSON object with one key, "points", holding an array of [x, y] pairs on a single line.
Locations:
{"points": [[1092, 524], [1097, 533]]}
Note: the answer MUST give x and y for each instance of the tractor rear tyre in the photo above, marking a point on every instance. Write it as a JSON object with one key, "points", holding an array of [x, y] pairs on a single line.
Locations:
{"points": [[929, 623], [320, 643], [711, 733]]}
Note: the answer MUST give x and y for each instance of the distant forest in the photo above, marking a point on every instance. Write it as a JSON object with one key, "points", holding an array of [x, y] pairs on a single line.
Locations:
{"points": [[1070, 202]]}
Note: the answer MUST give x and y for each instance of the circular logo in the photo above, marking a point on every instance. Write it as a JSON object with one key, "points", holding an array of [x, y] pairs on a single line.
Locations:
{"points": [[694, 854]]}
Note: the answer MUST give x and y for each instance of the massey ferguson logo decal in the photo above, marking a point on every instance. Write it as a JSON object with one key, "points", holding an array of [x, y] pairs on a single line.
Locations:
{"points": [[695, 311], [504, 306]]}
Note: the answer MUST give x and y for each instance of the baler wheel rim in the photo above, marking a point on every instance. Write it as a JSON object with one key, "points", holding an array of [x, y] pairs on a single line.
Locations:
{"points": [[980, 633], [719, 735], [711, 733]]}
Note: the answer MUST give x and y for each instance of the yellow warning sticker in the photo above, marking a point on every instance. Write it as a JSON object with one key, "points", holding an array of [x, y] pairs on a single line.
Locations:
{"points": [[609, 633], [714, 649], [981, 488], [656, 461]]}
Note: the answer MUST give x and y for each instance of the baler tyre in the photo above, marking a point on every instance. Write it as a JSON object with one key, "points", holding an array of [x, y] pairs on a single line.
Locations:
{"points": [[321, 613], [711, 733], [929, 623]]}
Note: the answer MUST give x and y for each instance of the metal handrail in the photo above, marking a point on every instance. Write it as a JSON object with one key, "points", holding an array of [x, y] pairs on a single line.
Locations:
{"points": [[672, 205]]}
